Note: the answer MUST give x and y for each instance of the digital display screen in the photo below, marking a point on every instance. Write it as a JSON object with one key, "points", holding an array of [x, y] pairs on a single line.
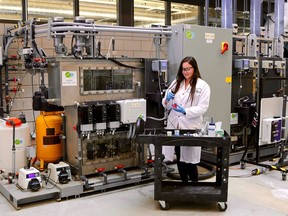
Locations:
{"points": [[31, 175]]}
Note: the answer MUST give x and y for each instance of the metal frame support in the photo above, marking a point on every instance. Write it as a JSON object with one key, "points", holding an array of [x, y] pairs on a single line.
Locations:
{"points": [[168, 12], [24, 10], [76, 8], [125, 13]]}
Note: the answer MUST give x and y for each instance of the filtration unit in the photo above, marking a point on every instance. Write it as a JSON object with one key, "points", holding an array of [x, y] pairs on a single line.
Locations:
{"points": [[101, 101]]}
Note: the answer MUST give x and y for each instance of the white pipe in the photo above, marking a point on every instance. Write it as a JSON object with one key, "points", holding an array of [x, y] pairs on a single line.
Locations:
{"points": [[255, 16], [279, 18], [95, 26], [103, 29], [226, 9], [270, 25]]}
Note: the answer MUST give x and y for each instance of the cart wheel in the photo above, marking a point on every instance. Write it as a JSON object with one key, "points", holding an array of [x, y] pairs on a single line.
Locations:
{"points": [[243, 165], [222, 206], [164, 205], [284, 176]]}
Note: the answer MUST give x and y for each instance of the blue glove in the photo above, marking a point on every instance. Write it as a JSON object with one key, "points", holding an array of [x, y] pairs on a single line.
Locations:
{"points": [[179, 109], [169, 96]]}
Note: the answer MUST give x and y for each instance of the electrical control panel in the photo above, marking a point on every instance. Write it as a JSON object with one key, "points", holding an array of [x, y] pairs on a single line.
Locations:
{"points": [[271, 130], [131, 109], [92, 116], [160, 65], [267, 64], [113, 115], [241, 64], [279, 64], [253, 64], [85, 116], [99, 116]]}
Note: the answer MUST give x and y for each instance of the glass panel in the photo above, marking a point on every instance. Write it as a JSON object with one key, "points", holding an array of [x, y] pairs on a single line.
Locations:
{"points": [[103, 79]]}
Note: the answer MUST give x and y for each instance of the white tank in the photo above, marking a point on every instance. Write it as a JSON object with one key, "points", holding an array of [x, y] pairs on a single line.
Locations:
{"points": [[22, 140]]}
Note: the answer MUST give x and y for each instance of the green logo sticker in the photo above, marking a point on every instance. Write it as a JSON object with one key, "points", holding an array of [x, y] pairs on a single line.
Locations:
{"points": [[68, 74], [190, 34], [18, 142]]}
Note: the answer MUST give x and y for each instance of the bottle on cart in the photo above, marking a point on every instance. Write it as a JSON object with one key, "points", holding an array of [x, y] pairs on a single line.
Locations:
{"points": [[211, 130]]}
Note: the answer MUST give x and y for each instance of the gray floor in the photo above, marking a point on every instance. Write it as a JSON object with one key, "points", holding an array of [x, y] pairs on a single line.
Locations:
{"points": [[265, 195]]}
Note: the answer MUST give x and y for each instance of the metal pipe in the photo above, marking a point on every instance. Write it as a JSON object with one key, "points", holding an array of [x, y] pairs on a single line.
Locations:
{"points": [[200, 15], [168, 13], [226, 9], [279, 18], [255, 15], [94, 25], [10, 40], [206, 12], [13, 150], [104, 29], [6, 77], [76, 8], [235, 11]]}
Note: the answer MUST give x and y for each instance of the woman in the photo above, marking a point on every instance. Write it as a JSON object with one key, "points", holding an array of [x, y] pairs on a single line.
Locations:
{"points": [[187, 99]]}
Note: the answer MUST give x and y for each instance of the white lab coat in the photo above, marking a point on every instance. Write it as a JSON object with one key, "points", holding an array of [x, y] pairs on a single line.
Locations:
{"points": [[192, 120]]}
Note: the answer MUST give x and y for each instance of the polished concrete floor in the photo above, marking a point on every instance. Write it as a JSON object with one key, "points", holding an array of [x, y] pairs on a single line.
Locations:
{"points": [[265, 194]]}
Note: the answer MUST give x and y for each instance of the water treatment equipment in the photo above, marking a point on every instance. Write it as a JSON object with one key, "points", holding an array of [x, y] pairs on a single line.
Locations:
{"points": [[22, 140], [48, 142]]}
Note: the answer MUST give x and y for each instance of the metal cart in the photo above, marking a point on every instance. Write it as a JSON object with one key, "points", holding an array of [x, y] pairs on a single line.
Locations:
{"points": [[166, 191]]}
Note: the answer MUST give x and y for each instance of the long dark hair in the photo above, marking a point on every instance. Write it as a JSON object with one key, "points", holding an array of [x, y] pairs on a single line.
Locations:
{"points": [[180, 77]]}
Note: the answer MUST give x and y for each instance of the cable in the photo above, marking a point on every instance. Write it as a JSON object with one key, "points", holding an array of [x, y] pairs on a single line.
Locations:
{"points": [[129, 133], [156, 119], [120, 63], [241, 176], [242, 100]]}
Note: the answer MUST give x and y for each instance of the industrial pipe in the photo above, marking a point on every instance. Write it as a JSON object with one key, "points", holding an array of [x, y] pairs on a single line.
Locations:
{"points": [[206, 12], [95, 29], [279, 18], [226, 9], [255, 16]]}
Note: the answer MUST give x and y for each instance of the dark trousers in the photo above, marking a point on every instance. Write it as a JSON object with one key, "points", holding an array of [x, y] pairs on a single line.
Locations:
{"points": [[186, 169]]}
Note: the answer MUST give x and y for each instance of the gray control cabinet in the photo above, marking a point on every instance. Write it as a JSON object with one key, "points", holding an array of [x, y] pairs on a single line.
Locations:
{"points": [[205, 45]]}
